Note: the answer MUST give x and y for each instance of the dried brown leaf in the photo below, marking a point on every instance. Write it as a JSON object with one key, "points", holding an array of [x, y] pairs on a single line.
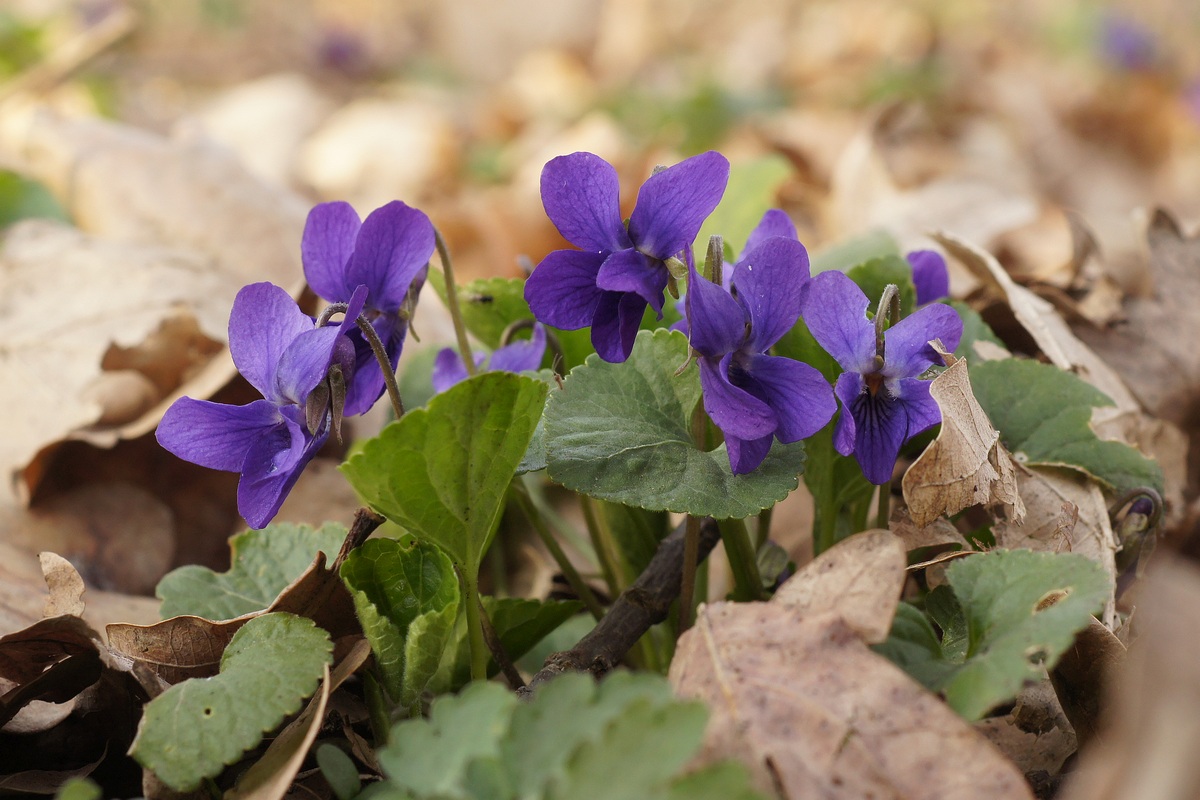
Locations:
{"points": [[915, 537], [812, 712], [966, 465], [65, 585], [860, 579], [1081, 678]]}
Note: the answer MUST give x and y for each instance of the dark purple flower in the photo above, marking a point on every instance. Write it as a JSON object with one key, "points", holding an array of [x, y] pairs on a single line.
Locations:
{"points": [[278, 349], [930, 275], [753, 397], [883, 402], [518, 356], [609, 281], [389, 253], [1127, 44]]}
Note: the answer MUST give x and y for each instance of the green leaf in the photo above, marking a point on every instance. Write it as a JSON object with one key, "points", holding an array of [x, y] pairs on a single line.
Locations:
{"points": [[637, 533], [753, 188], [874, 275], [194, 729], [620, 432], [1008, 640], [79, 789], [339, 771], [21, 198], [974, 330], [846, 254], [520, 623], [407, 596], [263, 564], [627, 737], [441, 472], [1043, 415]]}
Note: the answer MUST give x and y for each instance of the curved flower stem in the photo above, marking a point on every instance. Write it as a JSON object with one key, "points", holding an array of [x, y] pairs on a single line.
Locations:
{"points": [[496, 647], [552, 342], [739, 551], [691, 537], [460, 330], [578, 584], [372, 336], [883, 510], [603, 555]]}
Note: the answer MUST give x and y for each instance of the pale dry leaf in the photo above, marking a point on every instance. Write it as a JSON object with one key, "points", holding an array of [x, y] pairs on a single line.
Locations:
{"points": [[1040, 320], [812, 712], [966, 465], [1148, 746], [915, 537], [1081, 678], [1065, 513], [271, 776], [860, 578], [65, 585], [1035, 734]]}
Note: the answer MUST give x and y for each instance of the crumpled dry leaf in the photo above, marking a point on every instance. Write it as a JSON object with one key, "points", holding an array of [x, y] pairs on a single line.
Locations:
{"points": [[966, 465], [210, 228], [1081, 678], [798, 697], [191, 647], [1066, 513], [1148, 746], [937, 533], [1035, 734], [65, 585]]}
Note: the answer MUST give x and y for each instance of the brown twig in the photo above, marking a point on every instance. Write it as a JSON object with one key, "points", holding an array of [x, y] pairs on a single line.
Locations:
{"points": [[646, 602]]}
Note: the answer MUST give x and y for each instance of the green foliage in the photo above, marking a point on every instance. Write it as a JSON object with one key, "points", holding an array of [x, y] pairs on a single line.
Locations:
{"points": [[196, 728], [264, 563], [441, 472], [21, 198], [1043, 414], [621, 432], [974, 330], [874, 275], [859, 250], [79, 789], [339, 771], [624, 738], [753, 187], [994, 637], [407, 598]]}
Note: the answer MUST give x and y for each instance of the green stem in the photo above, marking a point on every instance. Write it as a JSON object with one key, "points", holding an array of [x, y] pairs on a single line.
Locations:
{"points": [[883, 510], [603, 555], [385, 365], [567, 530], [578, 584], [377, 708], [763, 533], [740, 552], [687, 586], [479, 648], [460, 330]]}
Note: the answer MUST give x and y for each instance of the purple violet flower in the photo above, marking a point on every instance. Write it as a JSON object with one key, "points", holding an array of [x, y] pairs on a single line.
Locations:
{"points": [[753, 397], [883, 403], [931, 277], [517, 356], [389, 253], [617, 272], [278, 349]]}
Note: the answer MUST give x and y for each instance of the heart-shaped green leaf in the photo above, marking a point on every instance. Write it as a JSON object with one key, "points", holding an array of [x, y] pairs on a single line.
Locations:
{"points": [[621, 432]]}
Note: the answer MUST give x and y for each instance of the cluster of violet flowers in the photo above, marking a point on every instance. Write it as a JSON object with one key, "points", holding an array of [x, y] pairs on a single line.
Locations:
{"points": [[753, 397], [313, 372]]}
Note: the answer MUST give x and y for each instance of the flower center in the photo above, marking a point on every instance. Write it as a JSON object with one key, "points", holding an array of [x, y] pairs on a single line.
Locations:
{"points": [[874, 381]]}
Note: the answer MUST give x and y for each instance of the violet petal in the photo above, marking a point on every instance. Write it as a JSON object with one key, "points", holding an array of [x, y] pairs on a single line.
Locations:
{"points": [[768, 282], [774, 223], [264, 321], [906, 350], [272, 467], [673, 204], [734, 410], [393, 246], [835, 310], [631, 271], [798, 394], [521, 355], [615, 325], [448, 369], [581, 196], [923, 411], [562, 291], [745, 455], [325, 247], [717, 322], [881, 424], [215, 435], [930, 275], [848, 387]]}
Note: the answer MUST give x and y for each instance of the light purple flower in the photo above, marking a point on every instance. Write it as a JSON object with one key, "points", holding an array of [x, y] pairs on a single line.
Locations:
{"points": [[883, 403], [751, 396], [389, 253], [617, 272], [930, 275], [278, 349], [517, 356]]}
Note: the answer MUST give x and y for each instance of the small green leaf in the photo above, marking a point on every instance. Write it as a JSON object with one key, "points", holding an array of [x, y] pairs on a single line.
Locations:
{"points": [[1043, 415], [753, 188], [264, 563], [620, 432], [1008, 640], [441, 472], [874, 275], [339, 771], [974, 330], [194, 729], [846, 254], [406, 596], [79, 789]]}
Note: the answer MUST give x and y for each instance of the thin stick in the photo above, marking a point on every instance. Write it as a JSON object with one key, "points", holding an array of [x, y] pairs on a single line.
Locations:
{"points": [[515, 681], [578, 584], [460, 330]]}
